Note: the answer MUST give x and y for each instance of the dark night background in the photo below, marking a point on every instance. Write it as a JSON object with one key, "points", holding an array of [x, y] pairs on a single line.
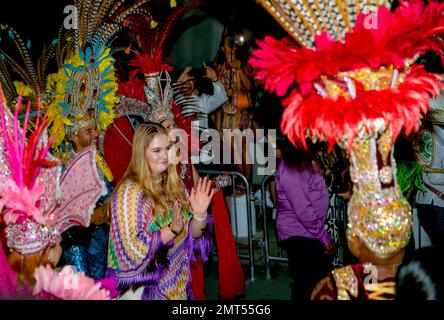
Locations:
{"points": [[39, 22]]}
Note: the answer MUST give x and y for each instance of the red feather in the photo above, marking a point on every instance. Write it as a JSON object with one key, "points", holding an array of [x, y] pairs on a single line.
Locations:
{"points": [[400, 35], [145, 63], [133, 88], [331, 120]]}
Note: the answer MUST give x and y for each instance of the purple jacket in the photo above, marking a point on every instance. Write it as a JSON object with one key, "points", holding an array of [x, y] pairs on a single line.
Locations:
{"points": [[302, 203]]}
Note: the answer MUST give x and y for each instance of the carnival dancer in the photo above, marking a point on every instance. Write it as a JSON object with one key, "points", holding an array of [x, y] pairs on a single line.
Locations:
{"points": [[362, 102], [37, 204], [81, 111]]}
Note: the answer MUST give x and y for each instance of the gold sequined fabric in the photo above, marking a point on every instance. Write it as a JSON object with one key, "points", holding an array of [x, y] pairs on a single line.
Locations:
{"points": [[378, 213], [380, 290], [344, 83], [346, 283]]}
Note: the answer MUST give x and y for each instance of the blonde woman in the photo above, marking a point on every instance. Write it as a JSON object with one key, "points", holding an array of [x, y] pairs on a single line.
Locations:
{"points": [[156, 228]]}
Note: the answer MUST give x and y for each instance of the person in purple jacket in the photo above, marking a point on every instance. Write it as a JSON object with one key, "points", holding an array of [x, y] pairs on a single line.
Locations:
{"points": [[302, 206]]}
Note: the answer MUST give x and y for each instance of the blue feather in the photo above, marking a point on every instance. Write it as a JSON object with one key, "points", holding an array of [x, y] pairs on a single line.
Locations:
{"points": [[28, 44], [65, 71], [104, 72], [11, 34], [88, 54], [82, 56], [65, 108], [72, 68], [104, 93], [102, 107]]}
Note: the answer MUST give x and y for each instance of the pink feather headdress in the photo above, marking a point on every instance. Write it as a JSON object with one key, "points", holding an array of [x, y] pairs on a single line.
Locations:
{"points": [[38, 203]]}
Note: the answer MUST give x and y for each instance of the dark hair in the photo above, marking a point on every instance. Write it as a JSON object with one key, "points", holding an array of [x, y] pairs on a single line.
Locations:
{"points": [[294, 156], [421, 278], [202, 83]]}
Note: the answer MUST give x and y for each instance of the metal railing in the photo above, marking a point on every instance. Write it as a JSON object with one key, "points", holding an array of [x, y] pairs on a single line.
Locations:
{"points": [[267, 257], [234, 176], [261, 201]]}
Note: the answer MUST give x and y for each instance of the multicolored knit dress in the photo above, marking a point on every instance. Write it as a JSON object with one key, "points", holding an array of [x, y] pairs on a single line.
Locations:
{"points": [[138, 258]]}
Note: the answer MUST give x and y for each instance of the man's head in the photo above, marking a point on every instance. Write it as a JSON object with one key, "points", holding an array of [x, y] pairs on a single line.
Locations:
{"points": [[86, 136], [361, 251], [197, 82], [421, 278]]}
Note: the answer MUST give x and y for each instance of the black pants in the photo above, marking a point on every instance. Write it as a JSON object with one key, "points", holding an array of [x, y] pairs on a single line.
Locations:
{"points": [[307, 265], [432, 220]]}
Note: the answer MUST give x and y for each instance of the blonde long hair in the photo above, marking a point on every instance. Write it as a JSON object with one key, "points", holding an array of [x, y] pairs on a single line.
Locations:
{"points": [[170, 188]]}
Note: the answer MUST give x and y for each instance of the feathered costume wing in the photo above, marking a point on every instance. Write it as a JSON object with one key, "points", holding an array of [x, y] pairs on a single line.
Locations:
{"points": [[80, 187]]}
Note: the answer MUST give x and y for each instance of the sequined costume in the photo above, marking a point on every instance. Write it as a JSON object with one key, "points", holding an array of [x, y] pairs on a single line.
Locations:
{"points": [[138, 258], [81, 92], [349, 283], [87, 248]]}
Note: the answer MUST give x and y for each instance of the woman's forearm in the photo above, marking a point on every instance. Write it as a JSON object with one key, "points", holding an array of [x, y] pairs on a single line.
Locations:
{"points": [[196, 227]]}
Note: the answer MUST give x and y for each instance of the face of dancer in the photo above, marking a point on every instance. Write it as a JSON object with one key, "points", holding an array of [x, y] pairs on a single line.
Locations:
{"points": [[55, 253], [169, 125], [158, 154], [85, 137]]}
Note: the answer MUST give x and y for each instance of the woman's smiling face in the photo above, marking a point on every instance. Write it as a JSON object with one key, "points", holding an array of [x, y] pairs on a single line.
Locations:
{"points": [[158, 154]]}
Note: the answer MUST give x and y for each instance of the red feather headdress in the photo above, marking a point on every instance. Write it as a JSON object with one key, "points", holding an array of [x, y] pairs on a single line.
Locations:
{"points": [[331, 100], [358, 89]]}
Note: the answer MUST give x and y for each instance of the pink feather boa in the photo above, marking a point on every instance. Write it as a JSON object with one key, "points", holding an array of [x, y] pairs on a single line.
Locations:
{"points": [[67, 285]]}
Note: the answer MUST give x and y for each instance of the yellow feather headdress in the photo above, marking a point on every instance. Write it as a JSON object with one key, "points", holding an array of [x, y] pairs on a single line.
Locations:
{"points": [[85, 87]]}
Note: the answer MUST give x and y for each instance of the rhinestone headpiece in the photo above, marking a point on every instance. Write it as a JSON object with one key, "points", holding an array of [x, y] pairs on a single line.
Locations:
{"points": [[159, 96]]}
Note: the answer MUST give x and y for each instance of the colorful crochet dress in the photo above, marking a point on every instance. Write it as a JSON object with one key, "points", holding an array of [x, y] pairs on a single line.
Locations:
{"points": [[137, 257]]}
